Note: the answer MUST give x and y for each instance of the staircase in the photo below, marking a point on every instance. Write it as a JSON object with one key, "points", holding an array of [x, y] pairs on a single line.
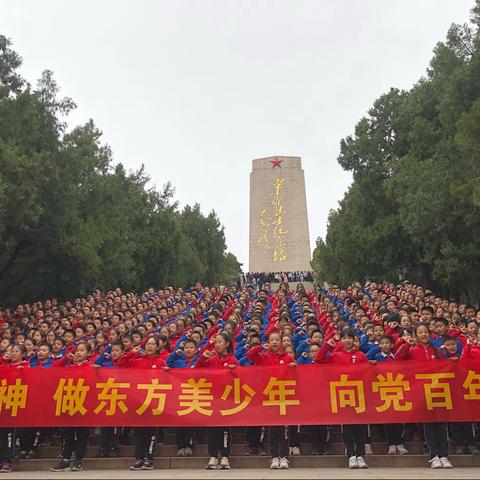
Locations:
{"points": [[166, 455]]}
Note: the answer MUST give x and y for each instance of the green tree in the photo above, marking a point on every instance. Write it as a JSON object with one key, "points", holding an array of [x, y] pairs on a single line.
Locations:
{"points": [[71, 220], [412, 209]]}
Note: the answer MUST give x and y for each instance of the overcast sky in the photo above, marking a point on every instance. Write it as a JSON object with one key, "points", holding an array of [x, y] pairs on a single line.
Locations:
{"points": [[196, 90]]}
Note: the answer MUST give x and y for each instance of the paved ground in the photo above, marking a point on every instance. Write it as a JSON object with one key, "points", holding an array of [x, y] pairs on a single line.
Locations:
{"points": [[299, 473]]}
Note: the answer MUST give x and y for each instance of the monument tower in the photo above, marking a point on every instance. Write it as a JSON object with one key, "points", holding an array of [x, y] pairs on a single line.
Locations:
{"points": [[279, 238]]}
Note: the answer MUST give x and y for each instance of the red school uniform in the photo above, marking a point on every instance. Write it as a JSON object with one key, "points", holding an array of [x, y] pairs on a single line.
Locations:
{"points": [[471, 352], [139, 360], [339, 355], [215, 361], [418, 352], [257, 356]]}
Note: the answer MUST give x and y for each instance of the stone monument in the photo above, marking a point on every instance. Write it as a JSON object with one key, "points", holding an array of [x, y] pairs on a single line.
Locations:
{"points": [[279, 238]]}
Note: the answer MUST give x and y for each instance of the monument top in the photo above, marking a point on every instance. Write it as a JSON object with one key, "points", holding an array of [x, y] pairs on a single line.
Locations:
{"points": [[277, 161]]}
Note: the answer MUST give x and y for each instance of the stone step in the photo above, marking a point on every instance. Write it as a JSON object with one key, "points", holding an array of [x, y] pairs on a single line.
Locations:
{"points": [[305, 461], [201, 450], [168, 438]]}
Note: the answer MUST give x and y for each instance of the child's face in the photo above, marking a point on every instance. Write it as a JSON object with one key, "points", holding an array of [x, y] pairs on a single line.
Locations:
{"points": [[127, 343], [423, 334], [406, 335], [378, 331], [405, 322], [472, 328], [116, 352], [314, 348], [317, 338], [15, 354], [347, 342], [385, 345], [197, 337], [57, 346], [393, 324], [274, 341], [43, 353], [440, 328], [286, 341], [81, 353], [189, 349], [68, 337], [150, 347], [220, 345], [450, 347], [290, 351]]}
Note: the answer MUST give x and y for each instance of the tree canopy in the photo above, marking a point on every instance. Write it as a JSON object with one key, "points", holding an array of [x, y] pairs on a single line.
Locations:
{"points": [[413, 209], [71, 220]]}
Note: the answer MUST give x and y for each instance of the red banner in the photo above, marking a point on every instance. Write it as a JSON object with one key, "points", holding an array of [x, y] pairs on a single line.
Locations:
{"points": [[400, 392]]}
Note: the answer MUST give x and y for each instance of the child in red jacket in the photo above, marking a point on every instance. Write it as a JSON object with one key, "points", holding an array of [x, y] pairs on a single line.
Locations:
{"points": [[420, 348], [145, 438], [75, 439], [272, 353], [13, 358], [354, 436], [219, 438]]}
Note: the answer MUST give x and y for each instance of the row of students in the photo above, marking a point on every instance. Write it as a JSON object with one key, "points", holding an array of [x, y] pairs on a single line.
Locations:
{"points": [[309, 328], [420, 348]]}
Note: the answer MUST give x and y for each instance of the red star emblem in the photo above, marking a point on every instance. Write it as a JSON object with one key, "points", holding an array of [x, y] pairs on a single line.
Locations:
{"points": [[276, 163]]}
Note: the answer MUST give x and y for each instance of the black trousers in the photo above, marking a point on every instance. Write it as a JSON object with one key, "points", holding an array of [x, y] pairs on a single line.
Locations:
{"points": [[29, 438], [145, 441], [75, 439], [394, 433], [7, 444], [184, 437], [279, 442], [219, 440], [294, 435], [436, 436], [354, 438], [255, 437], [319, 435], [124, 433], [110, 436], [462, 434]]}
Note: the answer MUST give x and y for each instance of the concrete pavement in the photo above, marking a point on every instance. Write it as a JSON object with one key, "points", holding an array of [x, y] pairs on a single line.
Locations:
{"points": [[297, 473]]}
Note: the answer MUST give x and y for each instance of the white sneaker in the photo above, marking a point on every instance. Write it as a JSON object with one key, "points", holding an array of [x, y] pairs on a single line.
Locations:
{"points": [[212, 463], [284, 462], [290, 451], [224, 464], [435, 462], [368, 449], [361, 462], [188, 452], [352, 462], [445, 462], [181, 452], [275, 463], [295, 451], [402, 450], [392, 450]]}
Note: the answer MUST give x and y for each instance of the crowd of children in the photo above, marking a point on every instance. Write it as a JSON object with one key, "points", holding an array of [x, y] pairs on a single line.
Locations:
{"points": [[224, 328]]}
